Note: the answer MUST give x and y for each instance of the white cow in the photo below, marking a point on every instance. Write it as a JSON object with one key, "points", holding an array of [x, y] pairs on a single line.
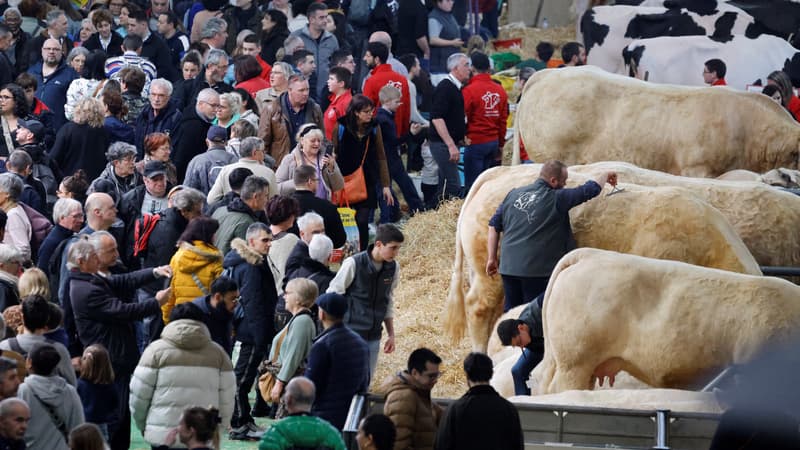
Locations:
{"points": [[607, 30], [680, 59]]}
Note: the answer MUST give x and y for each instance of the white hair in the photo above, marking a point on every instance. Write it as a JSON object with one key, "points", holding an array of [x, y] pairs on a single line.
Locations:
{"points": [[320, 248], [308, 219], [454, 59], [63, 208], [79, 251], [10, 254], [162, 83]]}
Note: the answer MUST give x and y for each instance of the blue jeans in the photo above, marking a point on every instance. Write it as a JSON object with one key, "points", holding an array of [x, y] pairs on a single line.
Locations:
{"points": [[449, 181], [477, 158], [399, 175], [389, 214], [525, 364]]}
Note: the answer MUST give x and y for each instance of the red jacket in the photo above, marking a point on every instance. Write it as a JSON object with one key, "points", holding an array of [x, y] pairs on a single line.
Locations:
{"points": [[486, 108], [253, 85], [380, 77], [265, 69], [794, 107], [336, 109], [720, 82]]}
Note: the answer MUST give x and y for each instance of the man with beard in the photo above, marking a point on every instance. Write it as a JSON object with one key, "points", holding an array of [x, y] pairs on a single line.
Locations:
{"points": [[53, 78], [218, 309]]}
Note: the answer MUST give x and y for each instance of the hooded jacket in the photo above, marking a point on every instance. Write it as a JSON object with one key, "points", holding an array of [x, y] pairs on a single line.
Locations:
{"points": [[415, 416], [42, 433], [198, 258], [257, 290], [183, 368], [233, 222]]}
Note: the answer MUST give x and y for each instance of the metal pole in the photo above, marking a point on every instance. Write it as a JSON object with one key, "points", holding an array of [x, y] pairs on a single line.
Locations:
{"points": [[662, 429]]}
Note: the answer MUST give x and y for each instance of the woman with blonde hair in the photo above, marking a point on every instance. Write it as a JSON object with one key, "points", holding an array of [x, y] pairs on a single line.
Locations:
{"points": [[82, 143], [291, 345], [34, 282], [310, 151]]}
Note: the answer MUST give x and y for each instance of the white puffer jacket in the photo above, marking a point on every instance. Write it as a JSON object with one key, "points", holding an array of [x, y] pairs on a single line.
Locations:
{"points": [[182, 369]]}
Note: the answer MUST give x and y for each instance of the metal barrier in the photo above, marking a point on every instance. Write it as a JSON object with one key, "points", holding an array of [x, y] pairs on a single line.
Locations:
{"points": [[553, 425], [778, 271]]}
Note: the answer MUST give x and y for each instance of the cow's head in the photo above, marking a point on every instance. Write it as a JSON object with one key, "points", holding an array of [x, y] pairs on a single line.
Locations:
{"points": [[782, 177], [632, 58]]}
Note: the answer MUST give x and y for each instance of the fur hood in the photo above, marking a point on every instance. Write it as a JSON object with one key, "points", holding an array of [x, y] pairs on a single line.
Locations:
{"points": [[247, 253]]}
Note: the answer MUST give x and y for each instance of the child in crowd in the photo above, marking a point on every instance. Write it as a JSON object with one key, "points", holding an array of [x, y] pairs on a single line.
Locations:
{"points": [[96, 388]]}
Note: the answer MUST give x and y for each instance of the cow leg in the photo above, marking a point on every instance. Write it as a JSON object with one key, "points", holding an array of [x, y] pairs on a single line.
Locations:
{"points": [[571, 378], [483, 306]]}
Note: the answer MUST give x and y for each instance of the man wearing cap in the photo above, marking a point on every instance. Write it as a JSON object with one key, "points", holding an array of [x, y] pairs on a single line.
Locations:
{"points": [[338, 362], [486, 107], [120, 170], [204, 168], [30, 136], [150, 198]]}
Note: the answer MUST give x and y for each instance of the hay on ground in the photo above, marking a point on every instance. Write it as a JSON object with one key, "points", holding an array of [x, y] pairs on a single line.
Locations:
{"points": [[531, 37], [426, 261]]}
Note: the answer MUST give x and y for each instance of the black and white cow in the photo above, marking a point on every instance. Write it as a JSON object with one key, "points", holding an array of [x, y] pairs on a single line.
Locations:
{"points": [[607, 30], [680, 60]]}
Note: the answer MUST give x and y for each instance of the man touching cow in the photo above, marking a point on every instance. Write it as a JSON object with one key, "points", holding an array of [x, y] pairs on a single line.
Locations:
{"points": [[534, 220]]}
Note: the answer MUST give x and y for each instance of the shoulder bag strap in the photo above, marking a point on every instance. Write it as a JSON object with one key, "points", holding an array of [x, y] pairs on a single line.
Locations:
{"points": [[366, 150], [57, 421], [199, 284], [7, 136]]}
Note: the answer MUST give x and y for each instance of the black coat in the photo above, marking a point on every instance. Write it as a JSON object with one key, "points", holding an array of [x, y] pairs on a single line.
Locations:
{"points": [[330, 215], [315, 271], [166, 121], [81, 147], [157, 52], [480, 419], [114, 47], [258, 294], [190, 140], [9, 295], [272, 42], [102, 317]]}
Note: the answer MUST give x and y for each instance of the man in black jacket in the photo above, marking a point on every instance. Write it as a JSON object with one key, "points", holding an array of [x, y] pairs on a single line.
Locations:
{"points": [[153, 47], [190, 140], [305, 186], [481, 418], [102, 317], [247, 264]]}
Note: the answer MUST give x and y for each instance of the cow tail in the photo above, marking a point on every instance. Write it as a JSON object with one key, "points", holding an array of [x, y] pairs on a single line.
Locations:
{"points": [[455, 310]]}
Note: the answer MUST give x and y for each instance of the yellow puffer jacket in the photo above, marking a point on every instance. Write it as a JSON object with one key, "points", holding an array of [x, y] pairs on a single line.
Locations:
{"points": [[198, 258]]}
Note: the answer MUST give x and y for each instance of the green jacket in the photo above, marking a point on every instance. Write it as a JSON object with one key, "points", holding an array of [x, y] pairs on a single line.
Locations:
{"points": [[301, 430]]}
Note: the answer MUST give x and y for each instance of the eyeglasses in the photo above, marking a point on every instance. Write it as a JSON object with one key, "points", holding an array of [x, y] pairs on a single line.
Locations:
{"points": [[76, 215], [213, 105]]}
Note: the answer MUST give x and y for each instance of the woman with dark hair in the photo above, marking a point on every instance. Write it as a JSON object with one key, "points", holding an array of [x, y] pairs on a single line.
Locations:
{"points": [[74, 186], [274, 31], [376, 432], [195, 265], [782, 81], [249, 110], [114, 109], [248, 74], [13, 107], [198, 427], [338, 26], [158, 146], [361, 144]]}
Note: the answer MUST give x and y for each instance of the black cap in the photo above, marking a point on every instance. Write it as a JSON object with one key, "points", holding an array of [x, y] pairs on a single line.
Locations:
{"points": [[333, 304], [34, 126], [153, 168]]}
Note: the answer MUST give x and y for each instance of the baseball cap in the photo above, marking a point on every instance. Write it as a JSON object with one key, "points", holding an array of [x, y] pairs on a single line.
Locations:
{"points": [[153, 168], [217, 134], [334, 304], [34, 126]]}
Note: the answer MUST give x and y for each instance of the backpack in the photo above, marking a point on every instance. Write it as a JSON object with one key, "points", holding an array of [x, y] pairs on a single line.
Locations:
{"points": [[40, 228], [142, 230], [13, 343], [45, 174], [215, 168]]}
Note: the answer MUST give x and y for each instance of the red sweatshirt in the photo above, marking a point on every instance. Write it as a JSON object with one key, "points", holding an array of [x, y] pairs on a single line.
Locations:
{"points": [[794, 107], [265, 68], [486, 108], [380, 76], [336, 109]]}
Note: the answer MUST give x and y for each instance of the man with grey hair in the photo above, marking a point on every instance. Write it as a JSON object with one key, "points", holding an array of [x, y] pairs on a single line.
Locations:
{"points": [[10, 263], [57, 26], [449, 129], [120, 170], [6, 66], [290, 45], [300, 428], [251, 152], [242, 211], [102, 317], [309, 224], [20, 163], [213, 75], [159, 116], [53, 76], [14, 417], [68, 220], [249, 268], [315, 267], [192, 129], [214, 33]]}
